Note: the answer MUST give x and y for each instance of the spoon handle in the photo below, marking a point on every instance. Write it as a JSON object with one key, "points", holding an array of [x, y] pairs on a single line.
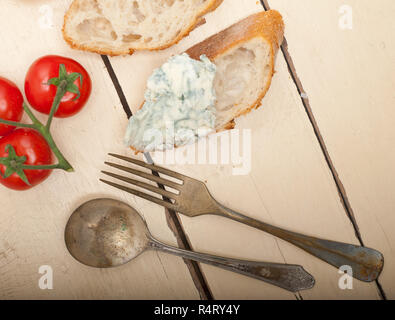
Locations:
{"points": [[290, 277]]}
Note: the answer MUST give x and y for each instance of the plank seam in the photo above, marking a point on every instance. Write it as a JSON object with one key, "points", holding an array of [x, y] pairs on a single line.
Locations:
{"points": [[117, 86], [339, 184], [172, 219]]}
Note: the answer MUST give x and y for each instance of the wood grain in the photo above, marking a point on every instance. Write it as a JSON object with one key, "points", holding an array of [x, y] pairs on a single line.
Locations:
{"points": [[289, 185], [32, 223], [349, 79]]}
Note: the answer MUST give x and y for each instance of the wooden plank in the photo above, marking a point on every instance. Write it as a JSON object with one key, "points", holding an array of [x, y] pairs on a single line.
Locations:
{"points": [[348, 75], [290, 183], [32, 223]]}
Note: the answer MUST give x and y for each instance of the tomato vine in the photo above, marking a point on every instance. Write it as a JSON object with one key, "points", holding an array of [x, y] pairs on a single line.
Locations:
{"points": [[13, 163]]}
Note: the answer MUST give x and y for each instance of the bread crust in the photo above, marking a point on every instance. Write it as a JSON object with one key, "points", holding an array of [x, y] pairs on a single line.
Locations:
{"points": [[268, 25], [199, 20]]}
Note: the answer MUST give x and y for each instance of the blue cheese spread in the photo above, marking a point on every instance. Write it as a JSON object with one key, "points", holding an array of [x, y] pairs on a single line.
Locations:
{"points": [[179, 105]]}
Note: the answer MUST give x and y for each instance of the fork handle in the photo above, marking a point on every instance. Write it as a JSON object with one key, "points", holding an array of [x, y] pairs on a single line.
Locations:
{"points": [[289, 277], [366, 263]]}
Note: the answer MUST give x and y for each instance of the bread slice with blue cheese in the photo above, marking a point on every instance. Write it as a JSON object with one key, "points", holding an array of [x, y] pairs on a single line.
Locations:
{"points": [[243, 57]]}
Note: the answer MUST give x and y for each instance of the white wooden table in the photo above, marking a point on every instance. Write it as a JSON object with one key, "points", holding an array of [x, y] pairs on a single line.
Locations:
{"points": [[322, 162]]}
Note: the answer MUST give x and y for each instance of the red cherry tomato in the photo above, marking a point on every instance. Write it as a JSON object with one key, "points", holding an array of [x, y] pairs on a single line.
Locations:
{"points": [[41, 95], [11, 104], [26, 142]]}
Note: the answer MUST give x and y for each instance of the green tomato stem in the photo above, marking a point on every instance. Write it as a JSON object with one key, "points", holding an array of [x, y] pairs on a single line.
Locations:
{"points": [[17, 124], [60, 92], [41, 167], [45, 131], [62, 162], [31, 114]]}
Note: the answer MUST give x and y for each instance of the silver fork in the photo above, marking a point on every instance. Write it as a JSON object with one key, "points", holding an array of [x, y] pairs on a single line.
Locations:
{"points": [[194, 199]]}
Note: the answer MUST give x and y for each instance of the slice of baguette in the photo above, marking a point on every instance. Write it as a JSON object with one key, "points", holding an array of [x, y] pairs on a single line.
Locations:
{"points": [[244, 55], [116, 27]]}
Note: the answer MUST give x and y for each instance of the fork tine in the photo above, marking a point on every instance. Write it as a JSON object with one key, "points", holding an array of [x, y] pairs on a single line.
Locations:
{"points": [[144, 185], [140, 194], [145, 175], [151, 166]]}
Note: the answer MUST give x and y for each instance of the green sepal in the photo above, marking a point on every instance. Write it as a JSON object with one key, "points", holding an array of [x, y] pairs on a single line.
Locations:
{"points": [[70, 78], [71, 87], [54, 81], [22, 175], [13, 164], [74, 76], [8, 172], [62, 71]]}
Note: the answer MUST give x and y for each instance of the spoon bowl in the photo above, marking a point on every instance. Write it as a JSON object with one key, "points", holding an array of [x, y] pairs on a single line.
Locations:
{"points": [[105, 233]]}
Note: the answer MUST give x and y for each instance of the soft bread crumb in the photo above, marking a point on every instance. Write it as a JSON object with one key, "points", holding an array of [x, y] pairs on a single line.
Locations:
{"points": [[244, 55], [122, 26], [242, 74]]}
